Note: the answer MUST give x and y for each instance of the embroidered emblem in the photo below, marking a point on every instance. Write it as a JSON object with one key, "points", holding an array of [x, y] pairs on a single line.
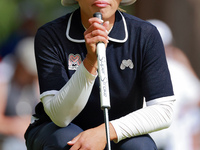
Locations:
{"points": [[126, 63], [74, 61]]}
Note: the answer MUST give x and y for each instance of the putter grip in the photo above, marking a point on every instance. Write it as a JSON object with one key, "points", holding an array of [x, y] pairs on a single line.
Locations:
{"points": [[102, 72], [98, 15]]}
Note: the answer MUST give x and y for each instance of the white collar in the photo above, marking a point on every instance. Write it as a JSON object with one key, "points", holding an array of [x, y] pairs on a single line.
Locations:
{"points": [[110, 36]]}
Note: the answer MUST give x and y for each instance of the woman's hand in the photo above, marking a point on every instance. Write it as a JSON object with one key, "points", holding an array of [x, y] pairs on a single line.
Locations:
{"points": [[92, 139], [94, 34]]}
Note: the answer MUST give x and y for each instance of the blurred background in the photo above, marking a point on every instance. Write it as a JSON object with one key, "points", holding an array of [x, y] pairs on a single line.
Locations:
{"points": [[19, 20]]}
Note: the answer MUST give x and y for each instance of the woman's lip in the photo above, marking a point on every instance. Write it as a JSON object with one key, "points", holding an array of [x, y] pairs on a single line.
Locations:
{"points": [[101, 3]]}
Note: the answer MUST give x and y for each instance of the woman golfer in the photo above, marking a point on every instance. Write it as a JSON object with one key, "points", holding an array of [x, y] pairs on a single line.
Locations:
{"points": [[69, 114]]}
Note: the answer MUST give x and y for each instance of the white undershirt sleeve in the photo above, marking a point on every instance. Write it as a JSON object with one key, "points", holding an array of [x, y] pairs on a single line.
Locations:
{"points": [[64, 106], [156, 116]]}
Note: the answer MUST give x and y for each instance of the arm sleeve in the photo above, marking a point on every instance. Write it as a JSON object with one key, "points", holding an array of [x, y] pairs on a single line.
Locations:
{"points": [[156, 116], [64, 93], [63, 107]]}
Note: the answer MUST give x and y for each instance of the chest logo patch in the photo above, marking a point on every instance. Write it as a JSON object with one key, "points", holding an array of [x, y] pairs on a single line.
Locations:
{"points": [[127, 64], [74, 61]]}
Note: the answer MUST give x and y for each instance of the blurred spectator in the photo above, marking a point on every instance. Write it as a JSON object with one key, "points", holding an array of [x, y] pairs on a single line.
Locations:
{"points": [[184, 133], [19, 94], [28, 25]]}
